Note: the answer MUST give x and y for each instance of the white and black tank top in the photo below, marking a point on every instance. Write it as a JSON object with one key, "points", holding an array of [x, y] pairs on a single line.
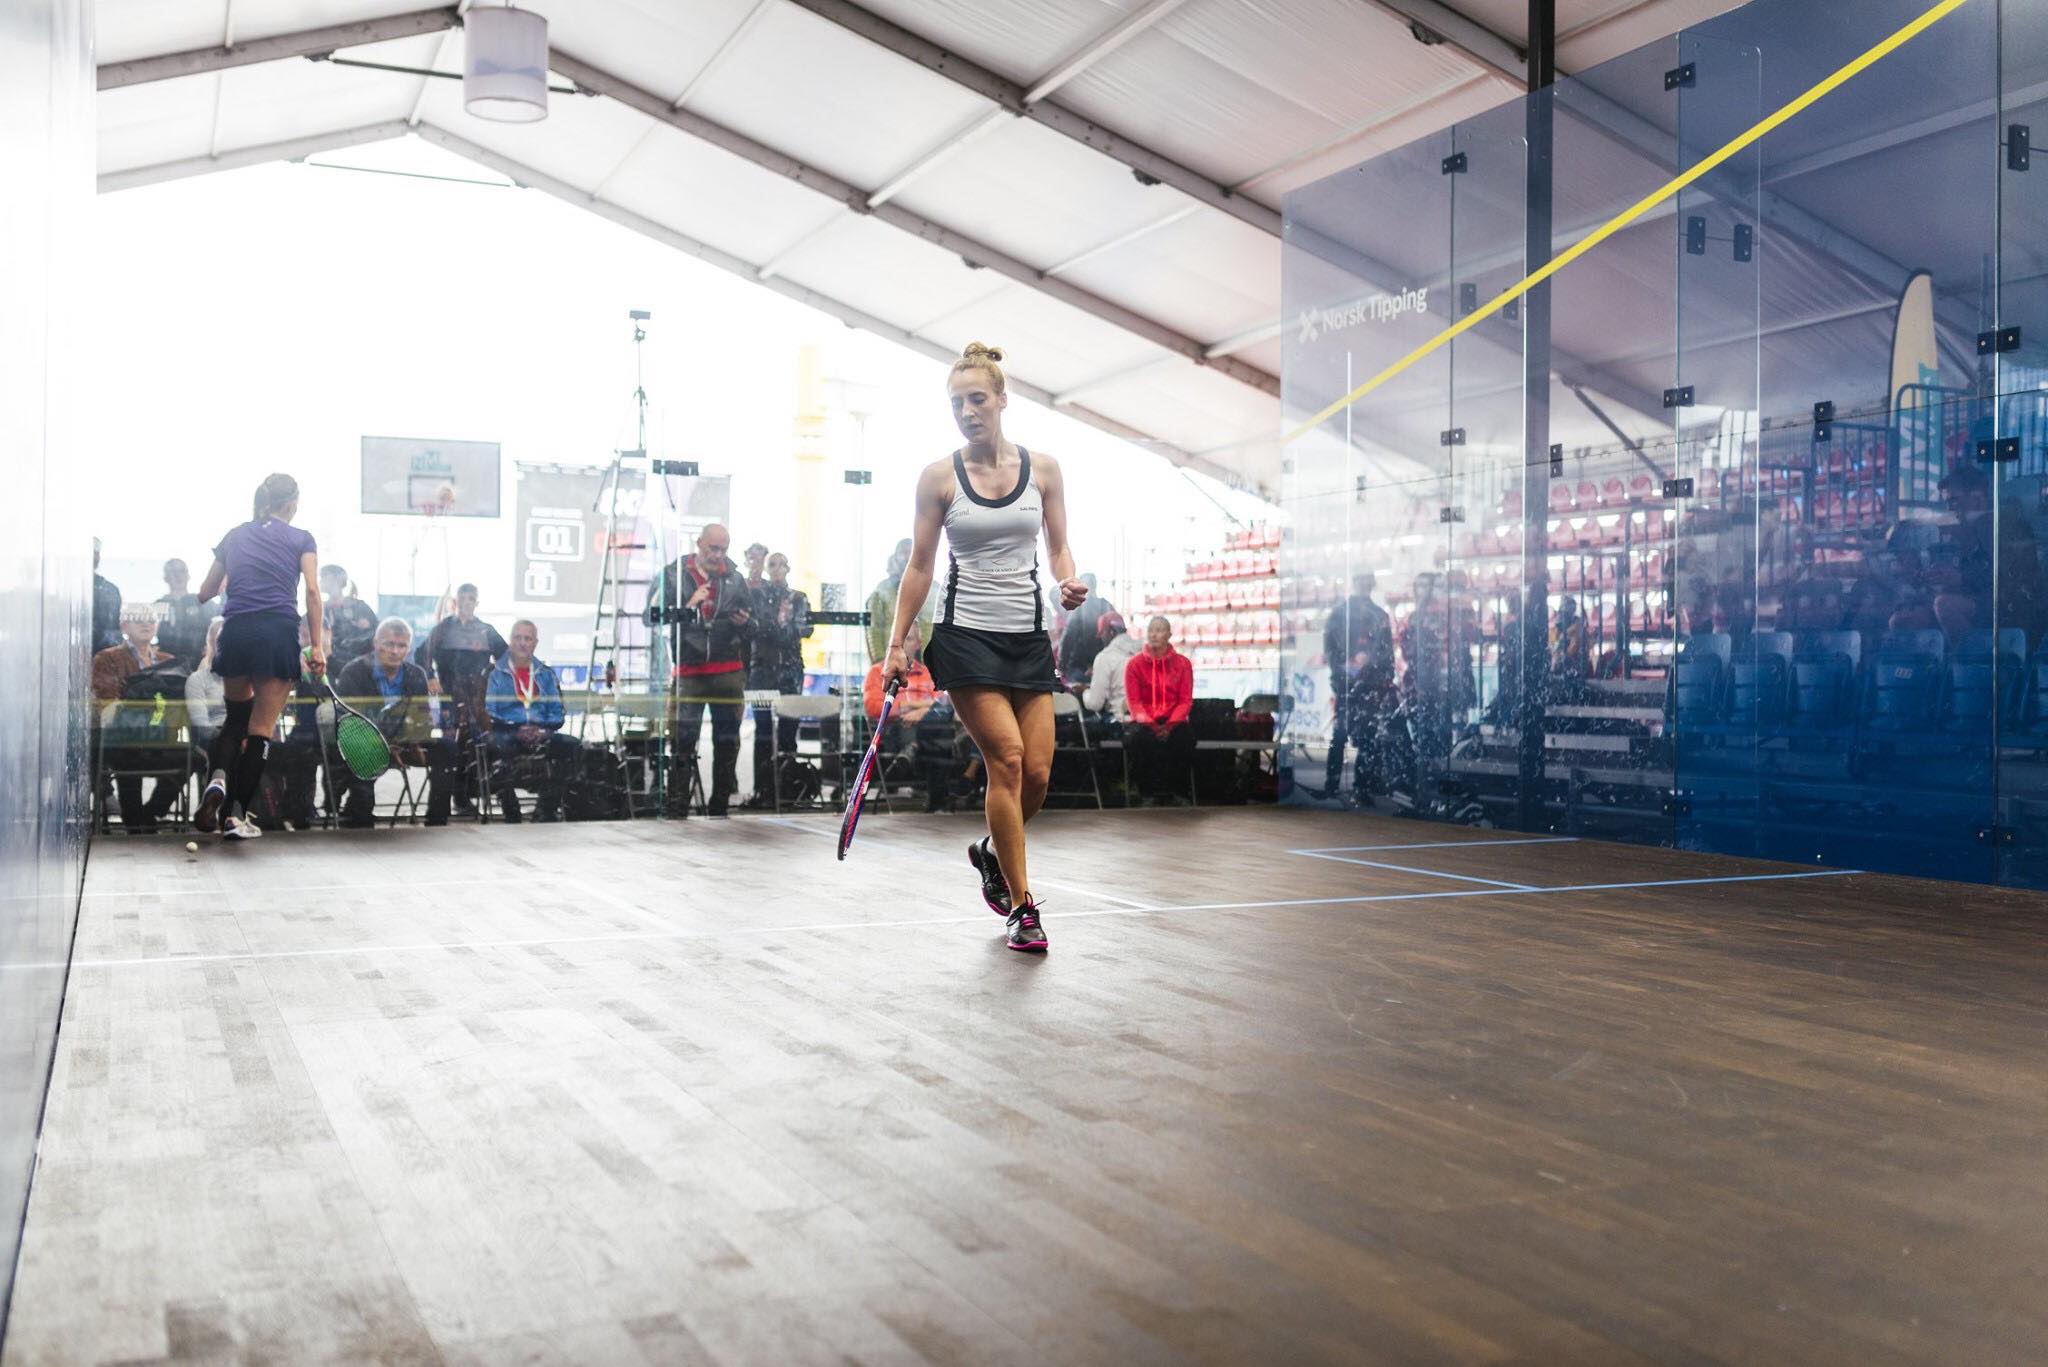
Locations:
{"points": [[992, 561]]}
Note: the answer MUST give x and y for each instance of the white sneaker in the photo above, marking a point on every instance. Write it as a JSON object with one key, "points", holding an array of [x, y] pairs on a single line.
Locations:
{"points": [[207, 818], [240, 828]]}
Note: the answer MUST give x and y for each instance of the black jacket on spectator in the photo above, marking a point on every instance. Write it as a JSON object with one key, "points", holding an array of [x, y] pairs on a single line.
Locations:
{"points": [[351, 631], [183, 628], [1359, 626], [405, 719], [462, 653], [778, 660], [1081, 642], [106, 613], [708, 635]]}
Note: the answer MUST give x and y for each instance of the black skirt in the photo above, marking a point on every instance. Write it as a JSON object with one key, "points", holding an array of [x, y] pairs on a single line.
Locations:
{"points": [[262, 645], [966, 656]]}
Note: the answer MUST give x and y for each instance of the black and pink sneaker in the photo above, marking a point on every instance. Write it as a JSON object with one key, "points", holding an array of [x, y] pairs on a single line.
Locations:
{"points": [[995, 889], [1026, 933]]}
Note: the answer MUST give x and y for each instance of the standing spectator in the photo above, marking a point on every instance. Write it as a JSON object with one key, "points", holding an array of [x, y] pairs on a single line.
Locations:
{"points": [[1082, 639], [181, 626], [1426, 685], [1571, 657], [351, 625], [1105, 691], [525, 701], [461, 651], [705, 602], [1358, 645], [206, 699], [1159, 687], [881, 605], [782, 623], [106, 606], [757, 561], [392, 692]]}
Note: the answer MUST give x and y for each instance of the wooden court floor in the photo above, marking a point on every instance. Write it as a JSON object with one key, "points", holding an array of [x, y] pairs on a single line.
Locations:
{"points": [[1289, 1088]]}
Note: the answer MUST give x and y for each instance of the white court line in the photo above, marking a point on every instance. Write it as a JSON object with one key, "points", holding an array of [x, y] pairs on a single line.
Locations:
{"points": [[1079, 888], [1442, 845], [629, 937], [1403, 868], [236, 889]]}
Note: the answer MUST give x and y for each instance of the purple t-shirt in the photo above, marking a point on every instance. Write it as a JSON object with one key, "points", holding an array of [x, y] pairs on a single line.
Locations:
{"points": [[263, 567]]}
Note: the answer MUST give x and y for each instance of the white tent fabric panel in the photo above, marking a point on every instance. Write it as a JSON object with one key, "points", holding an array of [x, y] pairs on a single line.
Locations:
{"points": [[274, 101], [1057, 346], [1022, 39], [1230, 88], [1204, 274], [147, 124], [876, 268], [142, 28], [855, 111], [1192, 408], [713, 196], [1386, 129], [1037, 195], [659, 47]]}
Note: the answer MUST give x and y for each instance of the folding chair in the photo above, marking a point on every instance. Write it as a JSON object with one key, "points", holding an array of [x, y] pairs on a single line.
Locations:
{"points": [[1066, 708], [807, 707]]}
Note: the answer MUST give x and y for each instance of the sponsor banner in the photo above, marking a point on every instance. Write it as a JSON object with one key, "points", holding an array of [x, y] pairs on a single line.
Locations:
{"points": [[1377, 308]]}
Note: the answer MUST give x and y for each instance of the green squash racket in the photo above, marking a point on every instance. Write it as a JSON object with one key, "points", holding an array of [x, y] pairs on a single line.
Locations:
{"points": [[363, 747]]}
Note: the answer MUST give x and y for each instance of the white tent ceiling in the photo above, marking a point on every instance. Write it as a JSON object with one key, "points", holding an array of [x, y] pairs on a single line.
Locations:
{"points": [[1092, 183]]}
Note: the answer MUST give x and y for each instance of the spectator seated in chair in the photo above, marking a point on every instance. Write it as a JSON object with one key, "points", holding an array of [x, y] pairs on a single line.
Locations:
{"points": [[921, 726], [133, 676], [524, 700], [1105, 692], [392, 692], [1159, 687]]}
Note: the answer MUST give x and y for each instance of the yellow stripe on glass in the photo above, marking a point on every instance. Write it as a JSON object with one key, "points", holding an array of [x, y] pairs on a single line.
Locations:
{"points": [[1642, 206]]}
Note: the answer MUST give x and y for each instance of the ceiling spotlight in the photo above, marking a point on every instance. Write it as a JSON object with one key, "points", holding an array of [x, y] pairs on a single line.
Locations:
{"points": [[505, 65]]}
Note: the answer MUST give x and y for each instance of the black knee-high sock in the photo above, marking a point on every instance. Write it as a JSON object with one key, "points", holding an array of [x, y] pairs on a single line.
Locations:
{"points": [[227, 745], [248, 770]]}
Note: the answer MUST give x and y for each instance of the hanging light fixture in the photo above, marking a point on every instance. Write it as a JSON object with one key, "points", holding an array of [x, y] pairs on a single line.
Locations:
{"points": [[505, 65]]}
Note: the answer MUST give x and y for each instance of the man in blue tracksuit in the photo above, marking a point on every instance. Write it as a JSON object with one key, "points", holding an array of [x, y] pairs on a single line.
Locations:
{"points": [[523, 699]]}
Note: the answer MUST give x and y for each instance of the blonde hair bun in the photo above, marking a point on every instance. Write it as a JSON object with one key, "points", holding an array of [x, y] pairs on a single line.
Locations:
{"points": [[987, 359]]}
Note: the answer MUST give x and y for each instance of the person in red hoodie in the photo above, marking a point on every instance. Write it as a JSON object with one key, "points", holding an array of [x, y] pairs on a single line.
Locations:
{"points": [[1159, 688]]}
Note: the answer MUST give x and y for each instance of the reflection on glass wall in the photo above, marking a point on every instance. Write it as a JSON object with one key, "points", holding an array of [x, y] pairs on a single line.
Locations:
{"points": [[46, 159], [1752, 563]]}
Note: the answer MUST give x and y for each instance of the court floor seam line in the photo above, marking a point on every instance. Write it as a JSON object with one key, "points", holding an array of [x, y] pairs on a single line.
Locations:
{"points": [[631, 937]]}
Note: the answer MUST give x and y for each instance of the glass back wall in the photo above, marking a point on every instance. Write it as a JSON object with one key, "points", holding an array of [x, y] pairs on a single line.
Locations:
{"points": [[1727, 536]]}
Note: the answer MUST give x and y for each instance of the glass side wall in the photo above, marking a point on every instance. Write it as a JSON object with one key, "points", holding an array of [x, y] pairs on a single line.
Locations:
{"points": [[2019, 701], [1781, 551], [1368, 255]]}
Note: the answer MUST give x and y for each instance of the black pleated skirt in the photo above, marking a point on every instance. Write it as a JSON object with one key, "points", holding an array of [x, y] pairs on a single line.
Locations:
{"points": [[964, 656], [261, 645]]}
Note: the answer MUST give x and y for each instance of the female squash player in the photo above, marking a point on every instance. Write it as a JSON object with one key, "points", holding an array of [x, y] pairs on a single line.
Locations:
{"points": [[257, 657], [989, 647]]}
